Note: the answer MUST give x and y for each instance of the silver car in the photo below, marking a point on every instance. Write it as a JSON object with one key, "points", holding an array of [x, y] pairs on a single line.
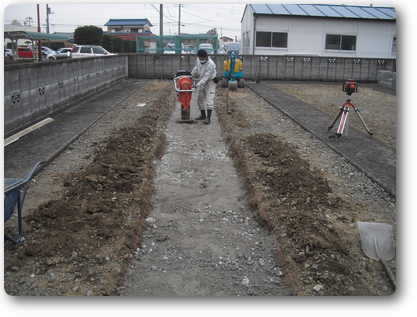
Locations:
{"points": [[62, 53]]}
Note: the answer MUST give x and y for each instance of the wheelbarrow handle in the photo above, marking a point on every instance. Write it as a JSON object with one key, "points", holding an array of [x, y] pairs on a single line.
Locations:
{"points": [[27, 180], [33, 170], [18, 182]]}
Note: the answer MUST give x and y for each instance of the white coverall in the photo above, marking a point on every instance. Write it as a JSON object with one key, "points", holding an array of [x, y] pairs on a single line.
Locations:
{"points": [[207, 88]]}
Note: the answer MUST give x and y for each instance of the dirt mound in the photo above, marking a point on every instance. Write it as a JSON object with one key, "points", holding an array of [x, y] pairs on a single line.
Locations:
{"points": [[88, 233]]}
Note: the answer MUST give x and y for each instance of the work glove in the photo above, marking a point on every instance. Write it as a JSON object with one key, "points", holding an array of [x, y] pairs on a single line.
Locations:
{"points": [[198, 84]]}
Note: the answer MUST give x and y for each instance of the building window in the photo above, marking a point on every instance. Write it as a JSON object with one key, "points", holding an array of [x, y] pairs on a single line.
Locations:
{"points": [[394, 46], [263, 39], [271, 39], [340, 42], [279, 40]]}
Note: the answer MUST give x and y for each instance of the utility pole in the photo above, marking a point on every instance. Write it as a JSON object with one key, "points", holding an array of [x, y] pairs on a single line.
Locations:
{"points": [[39, 41], [47, 19], [179, 19], [28, 19], [48, 12], [161, 20]]}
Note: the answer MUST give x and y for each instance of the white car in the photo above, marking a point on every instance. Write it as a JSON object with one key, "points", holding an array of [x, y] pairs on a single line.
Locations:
{"points": [[80, 51], [170, 49], [46, 51], [233, 47], [8, 52], [207, 47], [61, 53]]}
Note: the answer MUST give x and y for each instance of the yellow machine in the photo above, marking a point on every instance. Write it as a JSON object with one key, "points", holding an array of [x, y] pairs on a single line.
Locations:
{"points": [[233, 73], [238, 65]]}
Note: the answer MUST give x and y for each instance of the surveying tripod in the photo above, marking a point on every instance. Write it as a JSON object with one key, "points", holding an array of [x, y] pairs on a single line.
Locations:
{"points": [[349, 87]]}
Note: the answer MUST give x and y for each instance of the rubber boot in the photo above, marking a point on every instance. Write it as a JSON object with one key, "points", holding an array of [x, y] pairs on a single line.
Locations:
{"points": [[207, 121], [203, 115]]}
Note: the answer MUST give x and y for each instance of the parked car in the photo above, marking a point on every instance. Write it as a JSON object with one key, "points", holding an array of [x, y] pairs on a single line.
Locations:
{"points": [[46, 51], [233, 47], [207, 47], [25, 52], [190, 49], [170, 49], [222, 50], [8, 52], [80, 51], [61, 53]]}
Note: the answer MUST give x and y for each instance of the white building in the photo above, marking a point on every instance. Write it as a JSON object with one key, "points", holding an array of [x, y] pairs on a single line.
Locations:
{"points": [[319, 30]]}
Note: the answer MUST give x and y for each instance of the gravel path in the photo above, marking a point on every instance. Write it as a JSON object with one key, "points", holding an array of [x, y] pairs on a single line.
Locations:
{"points": [[201, 239]]}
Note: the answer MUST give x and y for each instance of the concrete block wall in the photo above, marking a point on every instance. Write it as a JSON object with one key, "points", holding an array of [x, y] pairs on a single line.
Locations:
{"points": [[33, 91], [387, 78], [292, 68]]}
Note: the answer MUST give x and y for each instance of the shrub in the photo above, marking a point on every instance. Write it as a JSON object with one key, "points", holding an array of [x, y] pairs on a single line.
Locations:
{"points": [[90, 34]]}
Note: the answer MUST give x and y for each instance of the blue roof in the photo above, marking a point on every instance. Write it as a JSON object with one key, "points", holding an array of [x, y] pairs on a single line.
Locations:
{"points": [[325, 10], [127, 22]]}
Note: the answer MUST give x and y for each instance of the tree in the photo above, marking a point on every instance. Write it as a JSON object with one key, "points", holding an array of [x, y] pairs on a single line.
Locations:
{"points": [[212, 32], [117, 44], [108, 43], [88, 35]]}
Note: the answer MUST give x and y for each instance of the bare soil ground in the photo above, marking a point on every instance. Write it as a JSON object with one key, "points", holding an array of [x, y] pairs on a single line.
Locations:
{"points": [[83, 211], [377, 108]]}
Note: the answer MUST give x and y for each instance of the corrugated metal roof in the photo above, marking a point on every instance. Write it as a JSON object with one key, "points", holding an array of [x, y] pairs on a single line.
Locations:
{"points": [[277, 9], [127, 22], [312, 10], [34, 35], [324, 10], [263, 8]]}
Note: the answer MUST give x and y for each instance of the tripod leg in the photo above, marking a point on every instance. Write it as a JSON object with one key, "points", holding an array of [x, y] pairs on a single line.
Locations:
{"points": [[363, 122], [335, 119], [343, 122]]}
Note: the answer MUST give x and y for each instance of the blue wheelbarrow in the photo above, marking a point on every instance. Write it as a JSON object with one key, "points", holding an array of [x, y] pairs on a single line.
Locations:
{"points": [[13, 188]]}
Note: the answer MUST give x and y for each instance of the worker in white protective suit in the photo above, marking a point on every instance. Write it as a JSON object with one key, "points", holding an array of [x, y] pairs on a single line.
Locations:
{"points": [[205, 69]]}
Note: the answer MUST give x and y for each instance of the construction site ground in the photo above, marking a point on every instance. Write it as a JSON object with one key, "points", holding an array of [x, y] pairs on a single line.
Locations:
{"points": [[257, 203]]}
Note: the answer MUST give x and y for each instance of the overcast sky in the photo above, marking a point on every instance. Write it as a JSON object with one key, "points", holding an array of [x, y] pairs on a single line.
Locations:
{"points": [[68, 15], [195, 18]]}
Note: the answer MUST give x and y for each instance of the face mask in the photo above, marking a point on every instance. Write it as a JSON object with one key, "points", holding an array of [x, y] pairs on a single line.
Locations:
{"points": [[202, 62]]}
